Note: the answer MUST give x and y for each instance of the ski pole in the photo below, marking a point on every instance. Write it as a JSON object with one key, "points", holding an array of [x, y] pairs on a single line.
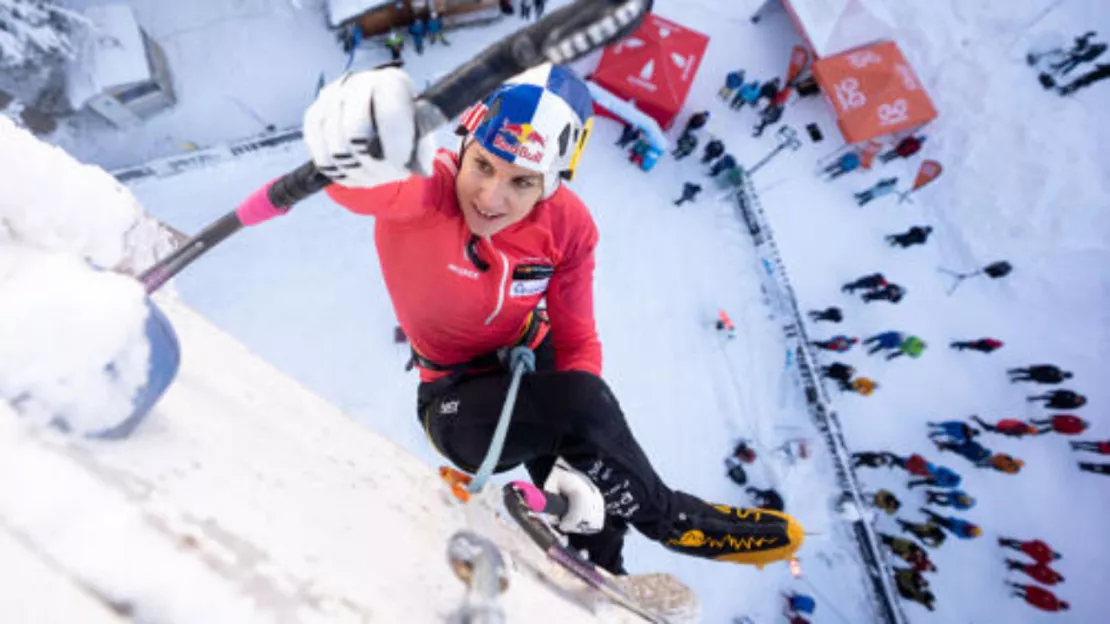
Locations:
{"points": [[562, 36]]}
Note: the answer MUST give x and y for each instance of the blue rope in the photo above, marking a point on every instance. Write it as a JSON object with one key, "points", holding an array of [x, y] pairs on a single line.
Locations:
{"points": [[521, 360]]}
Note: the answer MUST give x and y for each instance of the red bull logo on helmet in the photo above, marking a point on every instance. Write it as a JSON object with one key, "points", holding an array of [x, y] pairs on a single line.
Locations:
{"points": [[521, 140]]}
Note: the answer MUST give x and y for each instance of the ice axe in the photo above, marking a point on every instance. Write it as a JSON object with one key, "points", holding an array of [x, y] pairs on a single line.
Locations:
{"points": [[561, 37]]}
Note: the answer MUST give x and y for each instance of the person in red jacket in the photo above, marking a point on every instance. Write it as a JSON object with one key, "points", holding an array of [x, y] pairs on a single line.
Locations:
{"points": [[1039, 572], [906, 147], [1038, 597], [1064, 424], [1038, 550], [985, 345], [1101, 447], [469, 242], [1009, 427]]}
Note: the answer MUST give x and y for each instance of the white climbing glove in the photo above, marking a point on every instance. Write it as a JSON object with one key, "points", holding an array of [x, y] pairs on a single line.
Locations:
{"points": [[586, 512], [338, 127]]}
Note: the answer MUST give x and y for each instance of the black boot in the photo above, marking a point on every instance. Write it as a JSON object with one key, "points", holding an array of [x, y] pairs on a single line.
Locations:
{"points": [[752, 536]]}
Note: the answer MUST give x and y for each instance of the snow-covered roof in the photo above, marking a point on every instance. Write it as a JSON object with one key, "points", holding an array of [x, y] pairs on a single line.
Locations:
{"points": [[340, 11], [833, 26], [111, 55]]}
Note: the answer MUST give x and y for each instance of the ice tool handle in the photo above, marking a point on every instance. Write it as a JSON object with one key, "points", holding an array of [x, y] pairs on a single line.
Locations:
{"points": [[561, 37]]}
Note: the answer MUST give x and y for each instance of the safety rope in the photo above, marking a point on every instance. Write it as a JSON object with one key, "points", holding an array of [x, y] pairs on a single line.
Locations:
{"points": [[521, 360]]}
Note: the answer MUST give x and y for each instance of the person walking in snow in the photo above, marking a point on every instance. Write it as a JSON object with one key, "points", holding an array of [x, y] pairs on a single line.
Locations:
{"points": [[956, 526], [748, 93], [689, 193], [886, 340], [867, 282], [800, 603], [1064, 424], [837, 344], [883, 187], [832, 315], [906, 147], [1060, 399], [1083, 52], [1040, 572], [418, 29], [1008, 427], [713, 150], [908, 551], [768, 117], [970, 450], [687, 143], [912, 586], [1101, 72], [495, 212], [733, 81], [928, 532], [872, 460], [916, 235], [847, 163], [629, 133], [1037, 549], [885, 500], [1039, 373], [863, 386], [736, 471], [983, 345], [840, 373], [1038, 597], [435, 29], [541, 6], [744, 452], [938, 476], [769, 91], [1102, 447], [1003, 462], [526, 10], [1103, 469], [395, 44], [696, 121], [956, 499], [726, 163], [954, 430], [765, 499], [891, 292], [914, 464]]}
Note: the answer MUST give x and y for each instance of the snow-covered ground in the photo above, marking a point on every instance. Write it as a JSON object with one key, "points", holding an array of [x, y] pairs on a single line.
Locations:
{"points": [[1025, 181]]}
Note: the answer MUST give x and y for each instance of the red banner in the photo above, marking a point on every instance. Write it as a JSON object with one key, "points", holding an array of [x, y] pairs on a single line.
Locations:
{"points": [[799, 59], [930, 170]]}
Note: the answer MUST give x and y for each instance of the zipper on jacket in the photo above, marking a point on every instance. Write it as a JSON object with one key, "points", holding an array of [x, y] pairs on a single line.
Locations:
{"points": [[501, 283]]}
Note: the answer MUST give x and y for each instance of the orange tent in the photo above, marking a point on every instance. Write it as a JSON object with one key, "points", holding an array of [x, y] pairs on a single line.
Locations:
{"points": [[874, 91]]}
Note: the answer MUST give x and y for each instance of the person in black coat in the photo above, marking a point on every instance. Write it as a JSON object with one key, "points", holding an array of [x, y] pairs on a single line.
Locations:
{"points": [[916, 235], [867, 282], [713, 151], [891, 292], [687, 143], [696, 121], [1040, 373], [1060, 399], [689, 193], [629, 134], [833, 315], [765, 499], [839, 372]]}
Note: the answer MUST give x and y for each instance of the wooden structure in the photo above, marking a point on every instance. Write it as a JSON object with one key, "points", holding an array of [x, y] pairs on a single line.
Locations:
{"points": [[378, 18]]}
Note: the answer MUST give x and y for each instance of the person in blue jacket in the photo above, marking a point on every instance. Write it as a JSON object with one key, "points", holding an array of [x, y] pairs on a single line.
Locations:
{"points": [[957, 499], [725, 163], [954, 430], [885, 340], [960, 528], [733, 81], [748, 93], [800, 603], [435, 29], [845, 164], [417, 29], [883, 187], [971, 450], [939, 476]]}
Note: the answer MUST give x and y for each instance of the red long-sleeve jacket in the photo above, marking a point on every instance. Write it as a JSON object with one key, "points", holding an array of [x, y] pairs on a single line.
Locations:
{"points": [[451, 310], [1043, 599], [1014, 427], [1068, 424], [1043, 574], [1038, 550]]}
